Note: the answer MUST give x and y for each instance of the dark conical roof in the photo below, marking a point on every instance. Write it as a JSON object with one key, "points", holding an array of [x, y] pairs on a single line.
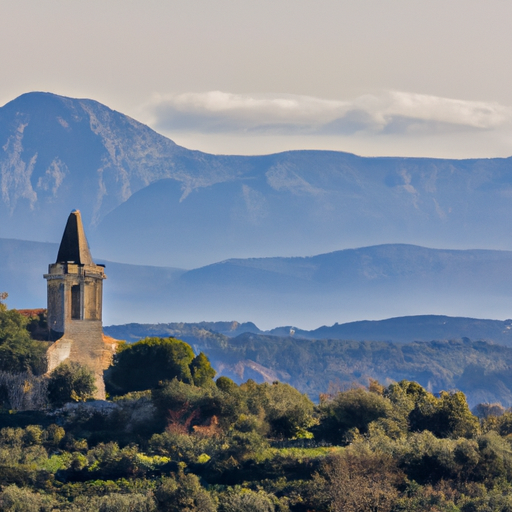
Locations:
{"points": [[74, 246]]}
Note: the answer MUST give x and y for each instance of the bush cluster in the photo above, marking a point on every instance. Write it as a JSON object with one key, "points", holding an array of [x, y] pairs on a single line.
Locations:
{"points": [[172, 438]]}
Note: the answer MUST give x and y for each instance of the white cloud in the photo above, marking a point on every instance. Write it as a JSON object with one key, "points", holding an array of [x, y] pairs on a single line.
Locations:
{"points": [[389, 112], [475, 114]]}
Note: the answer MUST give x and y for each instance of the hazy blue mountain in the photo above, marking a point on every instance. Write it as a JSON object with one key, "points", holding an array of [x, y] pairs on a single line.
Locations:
{"points": [[134, 332], [372, 282], [410, 328], [368, 283], [310, 202], [146, 200], [23, 264], [61, 153], [395, 330]]}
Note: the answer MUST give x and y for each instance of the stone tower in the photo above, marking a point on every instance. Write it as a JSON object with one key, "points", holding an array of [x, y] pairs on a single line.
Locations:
{"points": [[75, 293]]}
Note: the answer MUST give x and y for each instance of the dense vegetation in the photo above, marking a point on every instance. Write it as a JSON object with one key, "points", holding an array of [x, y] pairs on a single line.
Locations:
{"points": [[483, 371], [188, 442], [18, 351]]}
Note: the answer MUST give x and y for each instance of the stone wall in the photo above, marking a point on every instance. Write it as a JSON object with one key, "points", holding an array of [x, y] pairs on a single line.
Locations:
{"points": [[84, 343]]}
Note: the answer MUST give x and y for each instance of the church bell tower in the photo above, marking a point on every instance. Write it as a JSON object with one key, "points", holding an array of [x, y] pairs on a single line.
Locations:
{"points": [[75, 294], [75, 282]]}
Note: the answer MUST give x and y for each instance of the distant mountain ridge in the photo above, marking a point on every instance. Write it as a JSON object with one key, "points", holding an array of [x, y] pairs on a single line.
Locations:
{"points": [[393, 277], [408, 329], [138, 190], [373, 282], [411, 328]]}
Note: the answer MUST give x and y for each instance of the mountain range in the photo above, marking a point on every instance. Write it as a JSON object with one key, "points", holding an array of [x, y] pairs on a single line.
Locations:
{"points": [[400, 330], [268, 240], [303, 293], [146, 200]]}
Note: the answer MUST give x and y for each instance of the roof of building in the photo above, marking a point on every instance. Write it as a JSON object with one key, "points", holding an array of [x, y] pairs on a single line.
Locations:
{"points": [[31, 312], [74, 246]]}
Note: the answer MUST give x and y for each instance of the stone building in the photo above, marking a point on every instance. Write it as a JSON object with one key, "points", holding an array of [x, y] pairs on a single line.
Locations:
{"points": [[75, 294]]}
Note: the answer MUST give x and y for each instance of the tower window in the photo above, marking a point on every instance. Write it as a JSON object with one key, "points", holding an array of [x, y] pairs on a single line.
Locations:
{"points": [[75, 302]]}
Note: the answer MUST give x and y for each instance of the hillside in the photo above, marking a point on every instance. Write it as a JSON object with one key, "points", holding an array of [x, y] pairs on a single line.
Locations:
{"points": [[146, 200], [61, 153], [371, 282], [368, 283], [411, 328], [268, 288], [394, 330], [480, 369]]}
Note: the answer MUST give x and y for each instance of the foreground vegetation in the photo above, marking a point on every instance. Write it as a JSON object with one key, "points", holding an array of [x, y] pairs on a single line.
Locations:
{"points": [[172, 438]]}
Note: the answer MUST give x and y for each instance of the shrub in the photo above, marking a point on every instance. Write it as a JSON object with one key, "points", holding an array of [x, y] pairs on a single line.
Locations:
{"points": [[15, 499], [70, 382], [183, 494], [145, 364], [246, 501], [361, 481], [350, 410], [116, 502]]}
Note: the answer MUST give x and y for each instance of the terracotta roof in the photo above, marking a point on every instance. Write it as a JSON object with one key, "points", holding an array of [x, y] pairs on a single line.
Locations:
{"points": [[74, 246], [31, 312]]}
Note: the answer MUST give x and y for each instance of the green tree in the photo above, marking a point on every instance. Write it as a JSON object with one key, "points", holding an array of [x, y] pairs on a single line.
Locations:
{"points": [[349, 410], [202, 371], [454, 416], [183, 494], [145, 364], [226, 384], [54, 435], [446, 416], [289, 412], [246, 501], [70, 382], [495, 460], [406, 395], [18, 351]]}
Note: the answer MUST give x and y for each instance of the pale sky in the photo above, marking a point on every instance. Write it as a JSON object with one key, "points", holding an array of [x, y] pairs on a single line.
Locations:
{"points": [[372, 77]]}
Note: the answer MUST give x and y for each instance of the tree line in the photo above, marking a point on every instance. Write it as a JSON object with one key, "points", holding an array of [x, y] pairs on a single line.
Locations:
{"points": [[173, 437]]}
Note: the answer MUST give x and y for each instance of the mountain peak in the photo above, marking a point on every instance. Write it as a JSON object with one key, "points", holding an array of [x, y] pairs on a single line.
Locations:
{"points": [[58, 152], [138, 189]]}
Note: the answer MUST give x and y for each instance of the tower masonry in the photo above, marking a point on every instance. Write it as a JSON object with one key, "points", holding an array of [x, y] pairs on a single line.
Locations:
{"points": [[75, 294]]}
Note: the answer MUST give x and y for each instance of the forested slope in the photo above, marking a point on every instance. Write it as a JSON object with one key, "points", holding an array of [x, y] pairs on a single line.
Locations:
{"points": [[482, 370]]}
